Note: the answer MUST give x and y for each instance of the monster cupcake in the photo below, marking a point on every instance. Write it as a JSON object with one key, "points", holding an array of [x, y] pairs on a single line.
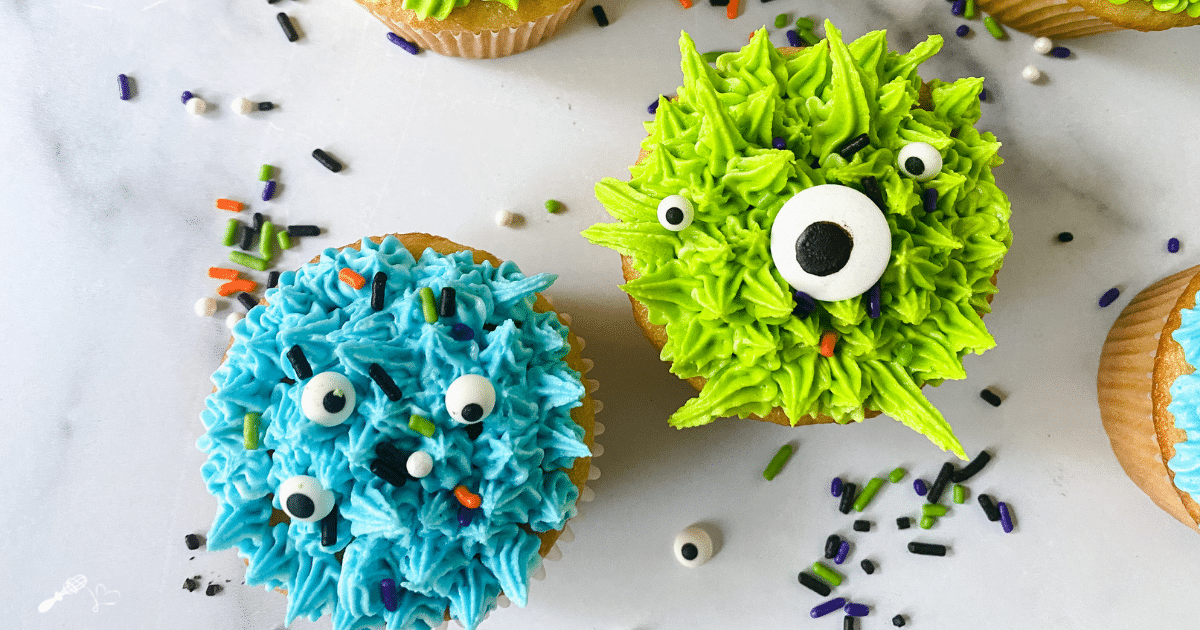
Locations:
{"points": [[1065, 19], [812, 236], [398, 434]]}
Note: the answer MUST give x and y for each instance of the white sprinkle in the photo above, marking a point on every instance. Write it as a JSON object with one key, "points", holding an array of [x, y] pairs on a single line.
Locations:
{"points": [[196, 105], [1031, 73], [1042, 45], [419, 464], [233, 319], [206, 307], [243, 106], [504, 218]]}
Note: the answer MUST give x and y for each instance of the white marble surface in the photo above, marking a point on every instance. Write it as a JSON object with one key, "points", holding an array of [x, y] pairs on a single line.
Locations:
{"points": [[107, 209]]}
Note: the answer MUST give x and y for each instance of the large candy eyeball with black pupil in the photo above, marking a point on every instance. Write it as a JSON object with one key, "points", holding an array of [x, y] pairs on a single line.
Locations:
{"points": [[693, 547], [470, 398], [675, 213], [305, 499], [919, 161], [831, 242], [328, 399]]}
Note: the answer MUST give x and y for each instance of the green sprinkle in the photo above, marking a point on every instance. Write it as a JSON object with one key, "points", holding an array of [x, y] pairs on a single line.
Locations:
{"points": [[808, 37], [285, 239], [777, 462], [969, 10], [805, 24], [428, 305], [231, 233], [266, 239], [928, 521], [960, 494], [265, 172], [553, 207], [711, 57], [253, 262], [827, 574], [868, 493], [896, 475], [781, 20], [250, 431], [933, 509], [993, 27], [421, 425]]}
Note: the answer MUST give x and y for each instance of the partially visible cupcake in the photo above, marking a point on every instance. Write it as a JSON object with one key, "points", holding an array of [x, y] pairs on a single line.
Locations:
{"points": [[476, 29], [1064, 19], [398, 434], [1150, 396]]}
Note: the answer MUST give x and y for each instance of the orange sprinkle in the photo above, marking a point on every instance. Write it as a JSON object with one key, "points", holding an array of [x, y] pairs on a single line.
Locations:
{"points": [[233, 286], [467, 498], [829, 339], [351, 277], [731, 11], [222, 273], [230, 205], [687, 4]]}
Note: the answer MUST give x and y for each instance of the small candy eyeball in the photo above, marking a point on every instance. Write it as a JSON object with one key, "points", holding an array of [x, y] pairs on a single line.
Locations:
{"points": [[328, 399], [419, 464], [919, 161], [693, 547], [830, 242], [675, 213], [470, 399], [305, 499]]}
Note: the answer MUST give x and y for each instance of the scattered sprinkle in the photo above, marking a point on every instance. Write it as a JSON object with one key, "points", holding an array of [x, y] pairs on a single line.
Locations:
{"points": [[991, 397], [387, 592], [250, 431], [731, 10], [1065, 237], [248, 236], [329, 525], [903, 522], [832, 544], [408, 46], [272, 279], [927, 522], [300, 365], [778, 143], [959, 494], [781, 21], [975, 466], [847, 502], [196, 106], [794, 39], [868, 567], [843, 551], [652, 108], [1109, 297], [849, 623], [247, 300], [835, 487], [776, 464], [265, 172], [829, 340], [236, 285], [827, 574], [303, 230], [927, 549], [466, 497], [1042, 45], [983, 94], [352, 278], [868, 493], [428, 305], [448, 302], [969, 11], [805, 304], [993, 27], [862, 526], [232, 230], [462, 332], [899, 621], [421, 425], [123, 84], [326, 160], [221, 273], [857, 610], [1031, 74], [897, 475], [1005, 517], [805, 24], [212, 589], [1173, 245], [963, 30], [920, 487], [808, 37], [266, 106], [820, 610], [989, 507], [553, 206], [193, 541], [1061, 52], [268, 192], [958, 8], [266, 240], [504, 218], [230, 205], [687, 4], [283, 239], [242, 105], [598, 13], [190, 584], [935, 510], [253, 262], [813, 584], [940, 482], [874, 301], [289, 30], [233, 318], [848, 148], [378, 289]]}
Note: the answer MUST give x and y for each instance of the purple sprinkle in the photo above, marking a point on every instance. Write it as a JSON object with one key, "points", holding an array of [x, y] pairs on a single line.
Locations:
{"points": [[387, 591], [929, 199], [779, 143], [794, 40], [1062, 52], [1109, 297], [857, 610], [462, 332], [958, 7], [983, 94], [1173, 245], [123, 83], [185, 97], [820, 610], [268, 190], [835, 487], [408, 46], [843, 551], [920, 487], [804, 304], [874, 295], [653, 108], [1005, 517], [963, 30], [465, 515]]}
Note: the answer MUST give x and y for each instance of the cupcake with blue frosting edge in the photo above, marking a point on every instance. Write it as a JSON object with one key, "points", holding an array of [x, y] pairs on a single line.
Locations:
{"points": [[523, 454]]}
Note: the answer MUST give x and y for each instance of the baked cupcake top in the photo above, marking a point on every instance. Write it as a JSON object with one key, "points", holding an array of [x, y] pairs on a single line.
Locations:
{"points": [[1190, 7], [440, 9], [1185, 406], [332, 372], [764, 135]]}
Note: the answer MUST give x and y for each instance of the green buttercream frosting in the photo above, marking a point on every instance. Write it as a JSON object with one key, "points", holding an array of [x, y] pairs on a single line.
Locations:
{"points": [[728, 311], [439, 9], [1191, 7]]}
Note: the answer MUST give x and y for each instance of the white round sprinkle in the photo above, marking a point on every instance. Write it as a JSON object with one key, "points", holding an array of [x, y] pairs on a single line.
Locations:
{"points": [[196, 106], [243, 106], [1042, 45], [504, 218], [233, 318], [419, 464], [1031, 73], [206, 307]]}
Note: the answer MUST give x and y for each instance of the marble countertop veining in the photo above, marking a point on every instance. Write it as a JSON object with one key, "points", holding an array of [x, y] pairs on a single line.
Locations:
{"points": [[108, 365]]}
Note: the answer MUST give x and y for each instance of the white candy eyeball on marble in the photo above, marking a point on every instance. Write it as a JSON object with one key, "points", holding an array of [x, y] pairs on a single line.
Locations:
{"points": [[205, 307], [470, 399], [675, 212], [1031, 73], [233, 318], [196, 106], [242, 105], [919, 160], [1042, 45], [693, 547], [830, 242], [303, 498], [328, 399], [419, 464]]}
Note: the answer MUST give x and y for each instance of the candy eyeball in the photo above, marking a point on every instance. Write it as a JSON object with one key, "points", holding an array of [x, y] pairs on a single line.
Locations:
{"points": [[470, 399], [919, 161], [675, 212], [304, 499], [830, 242], [328, 399], [419, 464], [693, 547]]}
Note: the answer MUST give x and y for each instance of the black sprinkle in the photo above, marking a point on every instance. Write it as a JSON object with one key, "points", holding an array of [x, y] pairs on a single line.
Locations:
{"points": [[303, 230], [448, 305], [990, 396], [286, 24], [926, 549], [392, 456], [213, 589], [326, 160], [473, 430], [848, 623], [385, 382], [489, 327], [929, 199], [831, 546], [272, 279], [598, 13], [329, 528], [248, 236], [247, 300], [299, 362], [975, 466], [1065, 237], [813, 584], [899, 621], [903, 522], [388, 474], [257, 221], [867, 566], [272, 1], [862, 526], [871, 189], [193, 541], [848, 148], [940, 483], [848, 491], [989, 507], [287, 381], [719, 3], [190, 584], [378, 286], [266, 106]]}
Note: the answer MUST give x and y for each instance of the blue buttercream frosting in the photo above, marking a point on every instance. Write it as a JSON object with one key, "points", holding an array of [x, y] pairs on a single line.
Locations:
{"points": [[410, 534], [1185, 406]]}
